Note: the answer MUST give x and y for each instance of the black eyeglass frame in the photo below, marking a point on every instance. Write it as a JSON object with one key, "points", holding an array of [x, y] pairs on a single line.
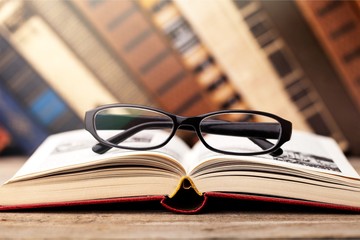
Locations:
{"points": [[186, 123]]}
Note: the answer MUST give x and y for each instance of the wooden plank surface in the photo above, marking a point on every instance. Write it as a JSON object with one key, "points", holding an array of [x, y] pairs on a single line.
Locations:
{"points": [[240, 220]]}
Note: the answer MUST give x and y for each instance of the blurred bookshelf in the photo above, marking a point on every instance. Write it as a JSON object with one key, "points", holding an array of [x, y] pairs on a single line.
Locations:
{"points": [[296, 59]]}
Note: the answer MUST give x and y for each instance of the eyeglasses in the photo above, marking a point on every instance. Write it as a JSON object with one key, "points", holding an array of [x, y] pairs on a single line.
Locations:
{"points": [[233, 132]]}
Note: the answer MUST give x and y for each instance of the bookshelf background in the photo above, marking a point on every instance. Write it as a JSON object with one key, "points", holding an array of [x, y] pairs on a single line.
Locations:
{"points": [[299, 60]]}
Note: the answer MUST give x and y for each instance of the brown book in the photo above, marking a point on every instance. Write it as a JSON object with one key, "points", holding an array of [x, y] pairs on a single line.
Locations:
{"points": [[209, 74], [254, 52], [336, 24], [139, 46], [338, 113], [220, 26]]}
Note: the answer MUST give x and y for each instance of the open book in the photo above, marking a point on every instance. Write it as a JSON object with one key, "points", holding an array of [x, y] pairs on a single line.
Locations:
{"points": [[65, 171]]}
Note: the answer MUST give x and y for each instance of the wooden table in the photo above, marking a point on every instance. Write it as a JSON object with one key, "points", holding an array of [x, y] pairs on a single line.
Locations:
{"points": [[242, 220]]}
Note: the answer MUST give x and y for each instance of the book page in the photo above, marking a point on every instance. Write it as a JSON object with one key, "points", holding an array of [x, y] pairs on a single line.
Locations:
{"points": [[73, 148], [304, 150]]}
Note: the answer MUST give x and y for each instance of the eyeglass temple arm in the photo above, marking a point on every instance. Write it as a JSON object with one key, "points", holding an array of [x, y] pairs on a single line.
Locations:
{"points": [[224, 128], [122, 136], [265, 144], [263, 130], [245, 129]]}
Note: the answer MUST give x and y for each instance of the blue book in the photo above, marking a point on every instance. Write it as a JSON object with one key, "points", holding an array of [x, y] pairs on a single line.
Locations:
{"points": [[34, 99], [26, 132]]}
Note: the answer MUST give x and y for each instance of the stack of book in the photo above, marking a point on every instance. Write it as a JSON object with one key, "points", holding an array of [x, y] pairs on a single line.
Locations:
{"points": [[61, 58]]}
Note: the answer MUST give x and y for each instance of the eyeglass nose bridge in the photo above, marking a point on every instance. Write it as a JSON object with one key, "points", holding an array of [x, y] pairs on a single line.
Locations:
{"points": [[188, 123]]}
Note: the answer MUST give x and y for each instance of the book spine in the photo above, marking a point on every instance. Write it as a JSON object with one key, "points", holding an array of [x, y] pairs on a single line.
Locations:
{"points": [[290, 72], [241, 36], [211, 78], [73, 30], [33, 93], [25, 132], [61, 69], [336, 25], [336, 114], [123, 26], [222, 30]]}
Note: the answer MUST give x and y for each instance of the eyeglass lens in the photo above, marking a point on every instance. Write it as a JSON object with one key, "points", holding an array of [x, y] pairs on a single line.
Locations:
{"points": [[132, 127], [240, 132]]}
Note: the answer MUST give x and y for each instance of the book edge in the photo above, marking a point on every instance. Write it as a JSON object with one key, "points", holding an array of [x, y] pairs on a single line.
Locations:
{"points": [[207, 196]]}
